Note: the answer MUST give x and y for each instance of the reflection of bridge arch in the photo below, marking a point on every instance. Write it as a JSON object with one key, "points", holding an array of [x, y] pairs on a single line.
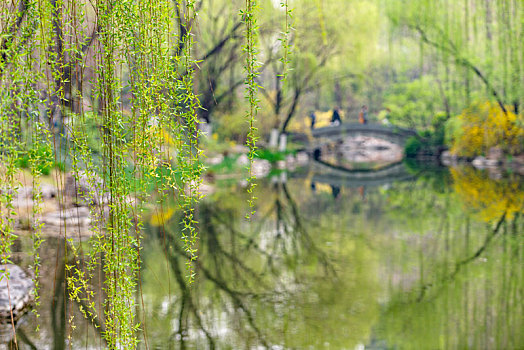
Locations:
{"points": [[337, 176], [332, 134]]}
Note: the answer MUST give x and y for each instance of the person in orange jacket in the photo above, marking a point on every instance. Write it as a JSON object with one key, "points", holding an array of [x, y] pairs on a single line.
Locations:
{"points": [[363, 115]]}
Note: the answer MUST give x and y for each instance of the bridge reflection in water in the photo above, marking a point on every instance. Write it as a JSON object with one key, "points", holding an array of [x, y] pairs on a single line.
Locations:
{"points": [[320, 172], [337, 176]]}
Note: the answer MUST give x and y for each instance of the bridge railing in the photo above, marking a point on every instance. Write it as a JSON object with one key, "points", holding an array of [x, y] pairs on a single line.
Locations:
{"points": [[356, 127]]}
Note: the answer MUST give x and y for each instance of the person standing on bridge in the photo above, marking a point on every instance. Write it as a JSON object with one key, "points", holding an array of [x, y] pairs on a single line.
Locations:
{"points": [[313, 118], [335, 119], [363, 115]]}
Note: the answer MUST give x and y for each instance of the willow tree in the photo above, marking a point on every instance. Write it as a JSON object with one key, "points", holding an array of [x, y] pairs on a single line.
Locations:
{"points": [[127, 68], [482, 39]]}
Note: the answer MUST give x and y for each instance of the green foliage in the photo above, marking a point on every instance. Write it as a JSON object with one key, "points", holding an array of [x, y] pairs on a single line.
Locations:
{"points": [[439, 129], [471, 61], [284, 39], [227, 166], [41, 160], [112, 84], [272, 156], [251, 67], [110, 88], [413, 146], [231, 126], [413, 104]]}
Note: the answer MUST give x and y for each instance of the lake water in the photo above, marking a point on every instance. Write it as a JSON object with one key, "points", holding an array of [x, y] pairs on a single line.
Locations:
{"points": [[416, 258]]}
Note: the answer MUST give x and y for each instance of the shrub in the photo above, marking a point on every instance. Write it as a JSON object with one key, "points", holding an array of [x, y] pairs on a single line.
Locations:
{"points": [[43, 158], [270, 156], [413, 146], [485, 125]]}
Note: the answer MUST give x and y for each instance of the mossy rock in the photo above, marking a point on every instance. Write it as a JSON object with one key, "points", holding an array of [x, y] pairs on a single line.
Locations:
{"points": [[16, 292]]}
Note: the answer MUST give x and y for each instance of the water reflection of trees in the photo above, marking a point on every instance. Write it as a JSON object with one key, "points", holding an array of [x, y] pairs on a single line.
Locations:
{"points": [[460, 282], [473, 299], [490, 197], [254, 279], [312, 267], [223, 268], [453, 281], [59, 316]]}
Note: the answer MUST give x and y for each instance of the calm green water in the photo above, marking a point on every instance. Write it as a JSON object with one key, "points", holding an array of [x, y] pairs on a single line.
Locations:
{"points": [[425, 259]]}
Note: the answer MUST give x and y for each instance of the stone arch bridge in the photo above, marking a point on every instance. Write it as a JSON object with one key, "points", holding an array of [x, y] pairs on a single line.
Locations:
{"points": [[333, 134]]}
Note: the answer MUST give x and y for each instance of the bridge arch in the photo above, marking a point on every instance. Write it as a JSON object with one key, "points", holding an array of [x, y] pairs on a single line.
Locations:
{"points": [[333, 134]]}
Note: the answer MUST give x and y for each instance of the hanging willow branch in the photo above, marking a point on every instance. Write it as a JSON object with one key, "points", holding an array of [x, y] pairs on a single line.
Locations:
{"points": [[189, 155], [285, 39], [9, 37], [251, 68], [70, 69]]}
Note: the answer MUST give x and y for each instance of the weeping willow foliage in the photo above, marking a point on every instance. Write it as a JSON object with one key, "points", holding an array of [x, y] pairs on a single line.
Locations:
{"points": [[286, 47], [321, 20], [108, 87], [251, 68], [476, 46]]}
